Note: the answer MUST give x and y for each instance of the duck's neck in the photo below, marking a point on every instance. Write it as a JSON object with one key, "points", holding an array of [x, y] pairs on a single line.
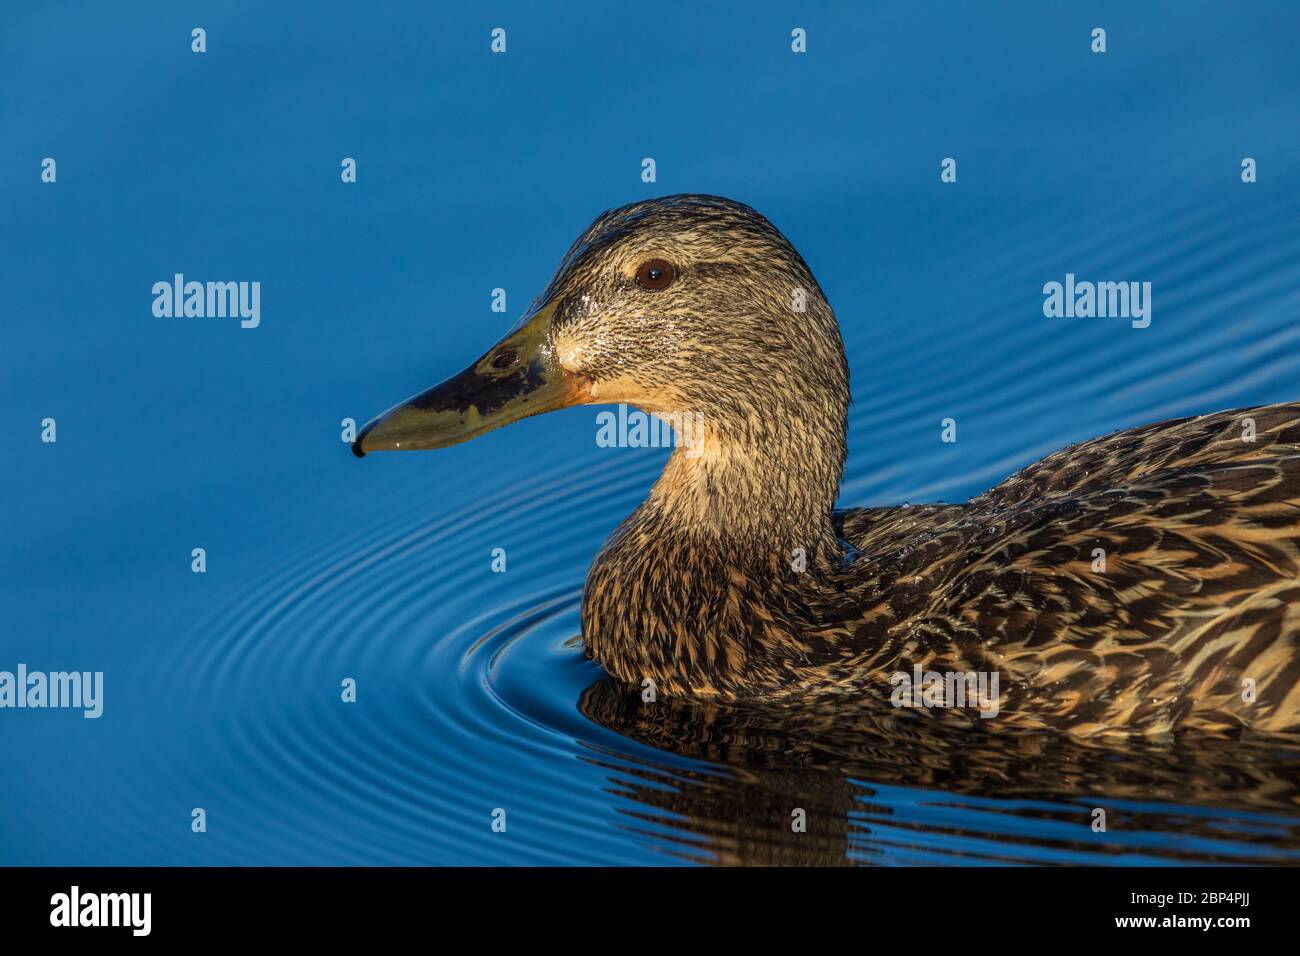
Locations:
{"points": [[701, 589], [755, 495]]}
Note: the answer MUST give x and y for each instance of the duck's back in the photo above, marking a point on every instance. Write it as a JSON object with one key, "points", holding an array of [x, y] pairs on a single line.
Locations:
{"points": [[1145, 581]]}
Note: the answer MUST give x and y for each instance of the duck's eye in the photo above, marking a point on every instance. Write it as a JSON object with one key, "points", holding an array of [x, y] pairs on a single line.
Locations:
{"points": [[505, 358], [655, 274]]}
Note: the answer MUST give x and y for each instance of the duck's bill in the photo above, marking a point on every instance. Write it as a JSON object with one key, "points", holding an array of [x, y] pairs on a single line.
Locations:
{"points": [[518, 377]]}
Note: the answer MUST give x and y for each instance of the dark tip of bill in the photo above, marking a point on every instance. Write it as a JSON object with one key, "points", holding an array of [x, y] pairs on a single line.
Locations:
{"points": [[361, 436]]}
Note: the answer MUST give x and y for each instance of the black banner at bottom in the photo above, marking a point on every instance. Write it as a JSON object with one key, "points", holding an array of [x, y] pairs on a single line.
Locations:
{"points": [[336, 905]]}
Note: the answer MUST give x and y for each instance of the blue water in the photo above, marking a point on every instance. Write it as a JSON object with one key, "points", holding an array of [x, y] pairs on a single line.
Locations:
{"points": [[475, 171]]}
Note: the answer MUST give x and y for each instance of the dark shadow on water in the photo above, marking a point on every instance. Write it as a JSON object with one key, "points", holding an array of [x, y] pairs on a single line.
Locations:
{"points": [[893, 787]]}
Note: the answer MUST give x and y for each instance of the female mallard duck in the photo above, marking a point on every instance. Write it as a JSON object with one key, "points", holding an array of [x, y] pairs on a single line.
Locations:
{"points": [[736, 579]]}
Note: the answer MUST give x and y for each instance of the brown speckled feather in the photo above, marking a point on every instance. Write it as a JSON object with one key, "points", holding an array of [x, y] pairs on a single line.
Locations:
{"points": [[1200, 590]]}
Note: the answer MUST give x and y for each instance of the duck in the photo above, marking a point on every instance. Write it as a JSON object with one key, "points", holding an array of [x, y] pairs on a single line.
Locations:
{"points": [[1142, 583]]}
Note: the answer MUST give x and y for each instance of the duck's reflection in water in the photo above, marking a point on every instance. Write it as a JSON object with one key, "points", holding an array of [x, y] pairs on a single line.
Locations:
{"points": [[888, 786]]}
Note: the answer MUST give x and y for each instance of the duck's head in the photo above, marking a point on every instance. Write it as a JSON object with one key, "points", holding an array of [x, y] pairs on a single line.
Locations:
{"points": [[685, 305]]}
